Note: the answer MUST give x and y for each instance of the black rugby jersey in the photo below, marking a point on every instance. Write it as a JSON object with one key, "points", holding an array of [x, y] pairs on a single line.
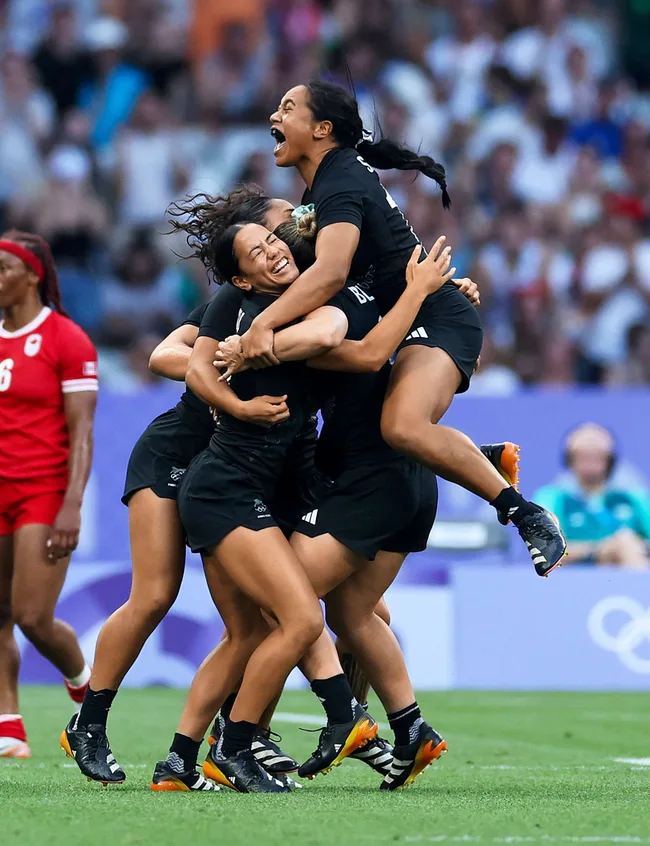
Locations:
{"points": [[225, 302], [264, 450], [347, 190], [351, 403]]}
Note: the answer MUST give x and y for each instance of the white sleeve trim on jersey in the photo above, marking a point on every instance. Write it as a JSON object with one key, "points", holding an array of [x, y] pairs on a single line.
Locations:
{"points": [[72, 386]]}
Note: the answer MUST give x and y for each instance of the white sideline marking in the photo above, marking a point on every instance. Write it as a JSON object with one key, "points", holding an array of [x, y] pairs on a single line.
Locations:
{"points": [[550, 768], [637, 762], [542, 838]]}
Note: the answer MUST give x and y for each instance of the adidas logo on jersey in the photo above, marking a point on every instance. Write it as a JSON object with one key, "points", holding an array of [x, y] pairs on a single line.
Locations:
{"points": [[311, 517]]}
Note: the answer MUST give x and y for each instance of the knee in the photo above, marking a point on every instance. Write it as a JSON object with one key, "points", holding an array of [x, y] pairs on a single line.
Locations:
{"points": [[34, 623], [400, 432], [347, 627], [244, 641], [307, 627], [155, 604]]}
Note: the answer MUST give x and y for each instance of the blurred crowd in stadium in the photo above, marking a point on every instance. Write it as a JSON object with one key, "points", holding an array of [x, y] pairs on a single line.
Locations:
{"points": [[109, 110]]}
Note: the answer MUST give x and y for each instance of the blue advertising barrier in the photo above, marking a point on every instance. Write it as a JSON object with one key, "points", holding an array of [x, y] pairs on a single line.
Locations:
{"points": [[582, 629]]}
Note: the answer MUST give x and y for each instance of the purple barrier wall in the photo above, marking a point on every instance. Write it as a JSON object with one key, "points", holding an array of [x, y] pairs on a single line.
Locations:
{"points": [[538, 421], [100, 574]]}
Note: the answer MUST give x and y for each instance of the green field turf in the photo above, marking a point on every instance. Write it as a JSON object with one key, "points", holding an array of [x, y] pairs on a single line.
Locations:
{"points": [[522, 768]]}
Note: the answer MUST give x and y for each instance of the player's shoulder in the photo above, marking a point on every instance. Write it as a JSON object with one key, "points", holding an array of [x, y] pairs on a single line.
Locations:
{"points": [[226, 296], [344, 170], [195, 317], [67, 339], [66, 329]]}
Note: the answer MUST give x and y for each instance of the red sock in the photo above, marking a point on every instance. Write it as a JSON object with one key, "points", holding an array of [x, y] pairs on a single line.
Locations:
{"points": [[76, 693], [78, 685], [11, 725]]}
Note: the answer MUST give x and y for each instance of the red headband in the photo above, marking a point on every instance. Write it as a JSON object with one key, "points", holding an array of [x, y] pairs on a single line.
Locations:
{"points": [[26, 256]]}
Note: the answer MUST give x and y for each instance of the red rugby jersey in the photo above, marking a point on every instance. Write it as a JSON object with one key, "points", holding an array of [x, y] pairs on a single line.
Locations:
{"points": [[39, 363]]}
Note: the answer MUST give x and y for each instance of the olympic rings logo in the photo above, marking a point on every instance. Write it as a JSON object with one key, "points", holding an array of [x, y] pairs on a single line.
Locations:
{"points": [[634, 632]]}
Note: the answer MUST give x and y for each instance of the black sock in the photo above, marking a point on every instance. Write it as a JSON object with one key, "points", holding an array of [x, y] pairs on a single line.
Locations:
{"points": [[336, 697], [512, 503], [237, 736], [226, 708], [183, 753], [405, 724], [95, 708]]}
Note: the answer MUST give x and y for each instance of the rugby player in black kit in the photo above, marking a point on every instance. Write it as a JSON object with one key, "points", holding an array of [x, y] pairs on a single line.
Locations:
{"points": [[319, 131], [380, 508], [225, 505], [213, 508]]}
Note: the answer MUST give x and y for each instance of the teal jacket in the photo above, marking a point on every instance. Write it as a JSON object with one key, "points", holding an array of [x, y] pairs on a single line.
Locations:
{"points": [[594, 517]]}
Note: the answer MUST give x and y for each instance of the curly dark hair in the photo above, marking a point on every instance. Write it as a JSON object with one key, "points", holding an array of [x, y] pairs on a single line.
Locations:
{"points": [[205, 219]]}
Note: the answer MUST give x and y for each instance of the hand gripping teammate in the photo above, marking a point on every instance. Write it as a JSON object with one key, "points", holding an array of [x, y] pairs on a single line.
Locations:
{"points": [[48, 392], [318, 131]]}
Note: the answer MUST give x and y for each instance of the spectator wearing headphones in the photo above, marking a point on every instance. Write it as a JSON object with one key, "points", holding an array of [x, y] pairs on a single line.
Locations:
{"points": [[604, 521]]}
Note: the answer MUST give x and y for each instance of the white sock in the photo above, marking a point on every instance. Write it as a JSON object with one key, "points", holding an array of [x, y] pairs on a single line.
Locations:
{"points": [[4, 718], [82, 679]]}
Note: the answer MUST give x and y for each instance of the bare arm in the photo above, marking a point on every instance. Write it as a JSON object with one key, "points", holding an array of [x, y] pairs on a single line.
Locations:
{"points": [[321, 331], [172, 355], [335, 248], [371, 353], [200, 378], [203, 380], [79, 408]]}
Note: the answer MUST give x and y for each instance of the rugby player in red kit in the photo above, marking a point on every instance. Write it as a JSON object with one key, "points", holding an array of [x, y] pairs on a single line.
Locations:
{"points": [[48, 393]]}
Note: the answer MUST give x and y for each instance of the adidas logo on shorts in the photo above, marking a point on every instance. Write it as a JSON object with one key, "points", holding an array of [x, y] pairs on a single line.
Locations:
{"points": [[420, 332], [311, 517]]}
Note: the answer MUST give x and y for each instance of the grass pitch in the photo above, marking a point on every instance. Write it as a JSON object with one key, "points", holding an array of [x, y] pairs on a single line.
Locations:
{"points": [[522, 768]]}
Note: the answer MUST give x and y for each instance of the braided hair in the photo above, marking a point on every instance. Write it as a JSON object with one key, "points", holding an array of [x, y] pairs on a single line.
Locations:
{"points": [[48, 288], [333, 103], [300, 236]]}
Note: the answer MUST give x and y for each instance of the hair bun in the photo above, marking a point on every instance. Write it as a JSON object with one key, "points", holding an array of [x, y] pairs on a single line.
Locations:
{"points": [[307, 226]]}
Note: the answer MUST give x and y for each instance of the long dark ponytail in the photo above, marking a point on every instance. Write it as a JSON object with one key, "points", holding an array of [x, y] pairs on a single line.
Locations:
{"points": [[333, 103]]}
